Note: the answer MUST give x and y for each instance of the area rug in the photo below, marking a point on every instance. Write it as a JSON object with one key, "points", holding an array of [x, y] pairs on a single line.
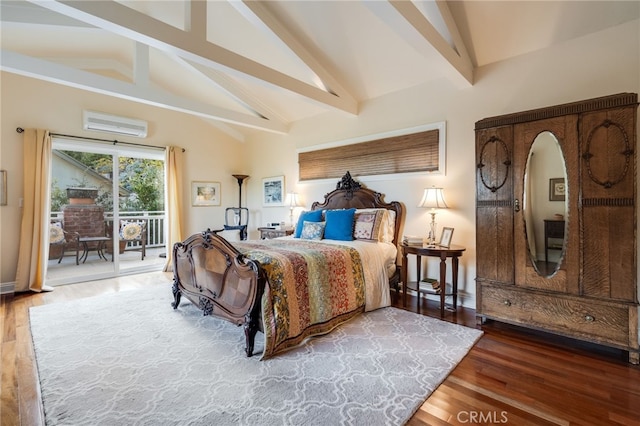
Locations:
{"points": [[128, 358]]}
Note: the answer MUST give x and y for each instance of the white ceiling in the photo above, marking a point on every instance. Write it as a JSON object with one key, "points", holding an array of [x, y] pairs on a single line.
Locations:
{"points": [[260, 66]]}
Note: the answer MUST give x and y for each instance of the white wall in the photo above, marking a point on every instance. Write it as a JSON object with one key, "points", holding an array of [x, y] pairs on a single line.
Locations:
{"points": [[596, 65], [28, 103]]}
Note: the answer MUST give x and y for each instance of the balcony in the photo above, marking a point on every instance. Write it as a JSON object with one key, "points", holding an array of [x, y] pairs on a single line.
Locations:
{"points": [[129, 260]]}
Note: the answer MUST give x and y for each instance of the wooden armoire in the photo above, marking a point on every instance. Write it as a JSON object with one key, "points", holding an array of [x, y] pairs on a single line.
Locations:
{"points": [[589, 290]]}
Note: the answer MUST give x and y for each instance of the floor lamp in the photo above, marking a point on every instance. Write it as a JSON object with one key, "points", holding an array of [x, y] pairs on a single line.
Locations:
{"points": [[239, 222]]}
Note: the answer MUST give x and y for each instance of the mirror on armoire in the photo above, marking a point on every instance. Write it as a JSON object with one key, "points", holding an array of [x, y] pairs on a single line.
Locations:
{"points": [[545, 204]]}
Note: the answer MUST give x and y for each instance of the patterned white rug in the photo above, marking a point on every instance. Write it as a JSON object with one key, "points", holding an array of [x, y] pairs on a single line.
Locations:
{"points": [[129, 359]]}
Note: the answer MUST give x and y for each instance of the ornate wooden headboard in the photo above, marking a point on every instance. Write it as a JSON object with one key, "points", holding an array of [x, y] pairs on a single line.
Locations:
{"points": [[350, 193]]}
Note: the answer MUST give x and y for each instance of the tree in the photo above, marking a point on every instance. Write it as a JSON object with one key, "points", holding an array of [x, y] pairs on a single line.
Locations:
{"points": [[58, 196], [141, 178]]}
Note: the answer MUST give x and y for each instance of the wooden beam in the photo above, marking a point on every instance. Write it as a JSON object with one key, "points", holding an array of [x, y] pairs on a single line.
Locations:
{"points": [[426, 38], [258, 14], [126, 22], [56, 73], [228, 85]]}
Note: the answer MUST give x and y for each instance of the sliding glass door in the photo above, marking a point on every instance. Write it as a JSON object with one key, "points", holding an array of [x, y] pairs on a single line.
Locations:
{"points": [[107, 211]]}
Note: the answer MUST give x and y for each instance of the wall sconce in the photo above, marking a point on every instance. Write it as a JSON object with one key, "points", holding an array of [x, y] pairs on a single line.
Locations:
{"points": [[293, 201], [433, 198]]}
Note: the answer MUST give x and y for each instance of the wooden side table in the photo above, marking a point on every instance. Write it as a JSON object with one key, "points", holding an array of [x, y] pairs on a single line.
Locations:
{"points": [[269, 233], [453, 252]]}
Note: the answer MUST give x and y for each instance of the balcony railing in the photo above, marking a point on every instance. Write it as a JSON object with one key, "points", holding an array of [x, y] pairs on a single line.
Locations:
{"points": [[155, 225]]}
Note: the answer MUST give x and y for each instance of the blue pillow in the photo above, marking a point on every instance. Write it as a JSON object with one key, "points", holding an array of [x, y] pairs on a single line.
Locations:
{"points": [[339, 224], [311, 216]]}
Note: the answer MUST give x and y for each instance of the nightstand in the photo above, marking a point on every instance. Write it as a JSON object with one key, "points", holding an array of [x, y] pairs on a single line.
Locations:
{"points": [[269, 233], [453, 252]]}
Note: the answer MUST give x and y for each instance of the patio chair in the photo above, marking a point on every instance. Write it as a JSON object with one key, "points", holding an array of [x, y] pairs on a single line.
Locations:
{"points": [[134, 231], [61, 240]]}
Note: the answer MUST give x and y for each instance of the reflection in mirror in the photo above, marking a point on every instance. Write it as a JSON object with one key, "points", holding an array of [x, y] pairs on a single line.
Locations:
{"points": [[545, 204]]}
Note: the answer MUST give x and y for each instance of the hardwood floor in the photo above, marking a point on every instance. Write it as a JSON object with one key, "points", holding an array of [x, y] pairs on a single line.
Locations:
{"points": [[511, 376]]}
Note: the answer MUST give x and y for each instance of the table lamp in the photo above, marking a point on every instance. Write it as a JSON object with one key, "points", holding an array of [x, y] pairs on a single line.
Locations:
{"points": [[292, 201], [433, 198]]}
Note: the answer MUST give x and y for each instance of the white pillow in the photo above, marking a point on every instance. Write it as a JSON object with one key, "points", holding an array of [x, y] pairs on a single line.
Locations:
{"points": [[390, 229], [230, 234]]}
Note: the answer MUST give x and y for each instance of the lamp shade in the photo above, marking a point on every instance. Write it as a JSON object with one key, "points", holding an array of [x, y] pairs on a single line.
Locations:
{"points": [[433, 198], [293, 200]]}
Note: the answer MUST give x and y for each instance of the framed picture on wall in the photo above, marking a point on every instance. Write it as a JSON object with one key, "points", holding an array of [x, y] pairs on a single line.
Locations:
{"points": [[557, 189], [273, 191], [205, 193]]}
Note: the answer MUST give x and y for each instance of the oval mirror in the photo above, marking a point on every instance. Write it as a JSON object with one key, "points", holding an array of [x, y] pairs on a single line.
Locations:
{"points": [[545, 204]]}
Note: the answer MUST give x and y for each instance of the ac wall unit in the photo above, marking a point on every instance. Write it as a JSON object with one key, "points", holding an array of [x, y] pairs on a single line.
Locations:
{"points": [[101, 122]]}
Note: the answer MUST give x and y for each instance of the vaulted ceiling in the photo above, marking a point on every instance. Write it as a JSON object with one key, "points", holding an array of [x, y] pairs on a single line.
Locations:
{"points": [[250, 66]]}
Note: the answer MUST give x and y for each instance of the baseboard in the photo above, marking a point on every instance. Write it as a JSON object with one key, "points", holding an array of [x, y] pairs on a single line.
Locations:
{"points": [[8, 288]]}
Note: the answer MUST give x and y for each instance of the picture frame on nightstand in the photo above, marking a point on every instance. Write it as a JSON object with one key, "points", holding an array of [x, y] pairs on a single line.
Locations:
{"points": [[445, 237]]}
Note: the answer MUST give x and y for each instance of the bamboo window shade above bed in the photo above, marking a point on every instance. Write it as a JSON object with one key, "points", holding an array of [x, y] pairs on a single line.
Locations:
{"points": [[415, 152]]}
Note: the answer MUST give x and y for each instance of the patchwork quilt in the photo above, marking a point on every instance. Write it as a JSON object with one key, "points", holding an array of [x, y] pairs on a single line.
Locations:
{"points": [[312, 287]]}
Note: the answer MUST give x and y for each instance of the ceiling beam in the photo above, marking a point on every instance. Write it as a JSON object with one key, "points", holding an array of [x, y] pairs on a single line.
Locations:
{"points": [[126, 22], [425, 37], [56, 73], [257, 13], [231, 88], [460, 47]]}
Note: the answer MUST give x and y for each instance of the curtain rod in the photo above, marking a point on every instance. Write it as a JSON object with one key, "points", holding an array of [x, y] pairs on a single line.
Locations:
{"points": [[114, 141]]}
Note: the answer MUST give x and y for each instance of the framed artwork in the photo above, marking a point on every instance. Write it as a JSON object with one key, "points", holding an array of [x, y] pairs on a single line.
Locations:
{"points": [[273, 191], [205, 194], [445, 237], [3, 187], [557, 189]]}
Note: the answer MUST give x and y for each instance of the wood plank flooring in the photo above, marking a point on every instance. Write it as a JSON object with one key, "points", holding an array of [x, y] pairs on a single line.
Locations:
{"points": [[511, 376]]}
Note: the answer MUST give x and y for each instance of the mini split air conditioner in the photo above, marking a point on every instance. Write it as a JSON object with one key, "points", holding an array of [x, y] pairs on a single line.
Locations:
{"points": [[101, 122]]}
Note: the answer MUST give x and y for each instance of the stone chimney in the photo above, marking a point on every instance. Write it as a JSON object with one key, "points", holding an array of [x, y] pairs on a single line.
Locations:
{"points": [[82, 215]]}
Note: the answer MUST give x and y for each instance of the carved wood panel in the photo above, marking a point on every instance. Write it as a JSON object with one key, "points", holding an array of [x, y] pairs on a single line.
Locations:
{"points": [[495, 204], [608, 203]]}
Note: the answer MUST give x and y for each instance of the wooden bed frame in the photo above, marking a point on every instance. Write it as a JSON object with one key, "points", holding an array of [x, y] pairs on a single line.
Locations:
{"points": [[216, 277]]}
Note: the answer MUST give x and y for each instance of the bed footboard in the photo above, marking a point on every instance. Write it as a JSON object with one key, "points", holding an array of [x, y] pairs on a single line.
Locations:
{"points": [[217, 278]]}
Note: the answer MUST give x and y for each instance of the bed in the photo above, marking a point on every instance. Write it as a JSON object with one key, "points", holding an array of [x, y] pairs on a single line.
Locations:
{"points": [[295, 287]]}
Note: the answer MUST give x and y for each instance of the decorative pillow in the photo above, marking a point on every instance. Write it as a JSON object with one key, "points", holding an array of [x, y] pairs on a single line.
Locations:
{"points": [[56, 234], [312, 230], [368, 225], [339, 224], [389, 227], [130, 230], [309, 216]]}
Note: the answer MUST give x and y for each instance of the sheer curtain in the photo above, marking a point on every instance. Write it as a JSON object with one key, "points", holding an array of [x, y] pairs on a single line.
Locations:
{"points": [[174, 201], [34, 230]]}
